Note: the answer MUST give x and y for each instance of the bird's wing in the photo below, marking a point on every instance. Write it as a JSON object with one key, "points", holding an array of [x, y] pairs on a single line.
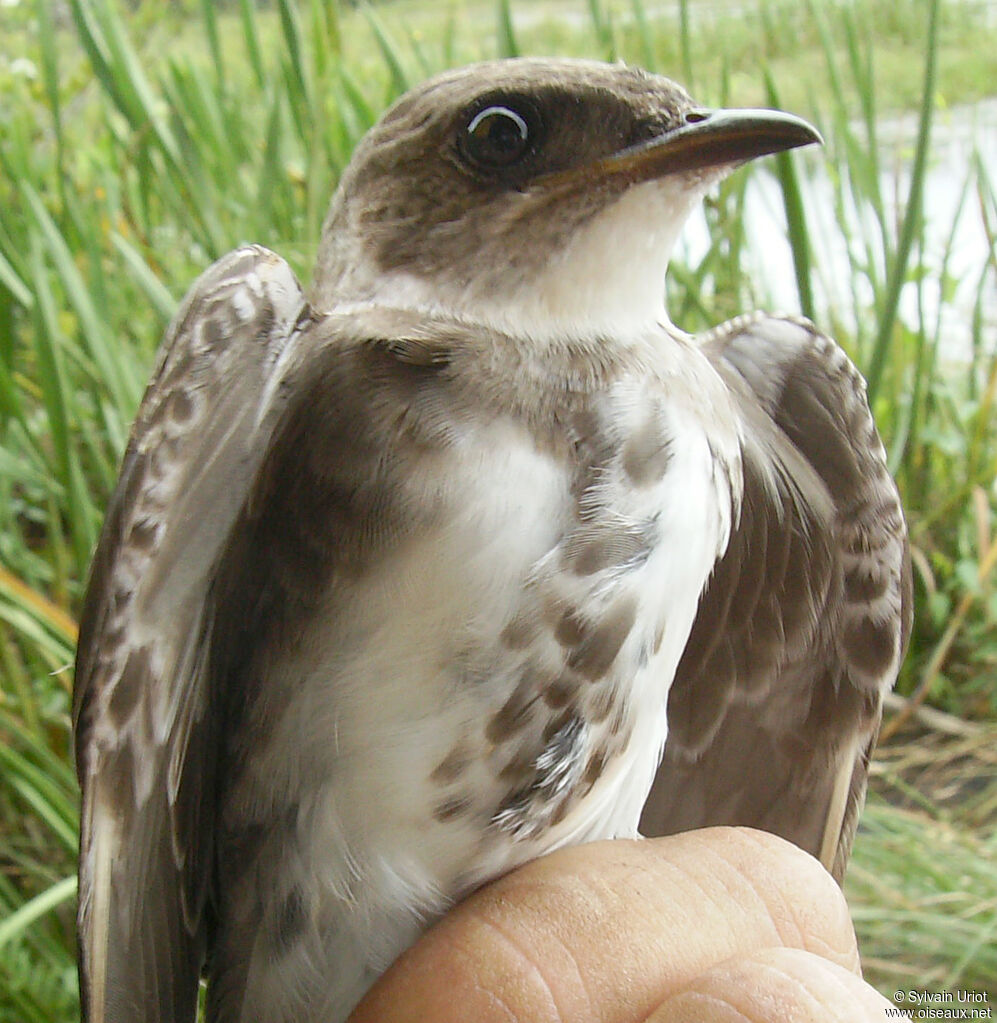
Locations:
{"points": [[777, 700], [142, 714]]}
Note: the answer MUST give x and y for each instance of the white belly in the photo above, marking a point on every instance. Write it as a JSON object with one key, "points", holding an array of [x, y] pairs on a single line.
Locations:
{"points": [[401, 709]]}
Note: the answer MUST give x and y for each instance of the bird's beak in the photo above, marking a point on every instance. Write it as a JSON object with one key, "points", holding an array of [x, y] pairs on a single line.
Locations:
{"points": [[708, 140]]}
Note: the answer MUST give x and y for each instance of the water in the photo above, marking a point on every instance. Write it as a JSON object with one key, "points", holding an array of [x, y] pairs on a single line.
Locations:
{"points": [[957, 134]]}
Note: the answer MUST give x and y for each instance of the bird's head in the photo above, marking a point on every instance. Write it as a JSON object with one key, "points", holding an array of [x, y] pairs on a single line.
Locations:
{"points": [[540, 196]]}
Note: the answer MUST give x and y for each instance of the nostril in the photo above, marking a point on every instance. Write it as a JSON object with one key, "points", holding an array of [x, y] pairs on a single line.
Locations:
{"points": [[697, 116]]}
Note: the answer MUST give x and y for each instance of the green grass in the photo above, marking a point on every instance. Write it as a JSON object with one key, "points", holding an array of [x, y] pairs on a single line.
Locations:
{"points": [[135, 149], [917, 929]]}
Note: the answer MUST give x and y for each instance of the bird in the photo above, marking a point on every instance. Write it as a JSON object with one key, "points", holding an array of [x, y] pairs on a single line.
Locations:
{"points": [[467, 553]]}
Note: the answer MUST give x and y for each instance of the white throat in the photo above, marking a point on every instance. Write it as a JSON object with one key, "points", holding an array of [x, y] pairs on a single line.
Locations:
{"points": [[609, 281]]}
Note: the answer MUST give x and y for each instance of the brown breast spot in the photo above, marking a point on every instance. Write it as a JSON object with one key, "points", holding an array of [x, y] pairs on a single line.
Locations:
{"points": [[452, 766], [594, 654], [647, 452]]}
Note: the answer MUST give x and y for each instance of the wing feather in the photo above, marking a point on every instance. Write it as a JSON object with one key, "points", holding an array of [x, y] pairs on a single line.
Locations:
{"points": [[142, 707], [802, 628]]}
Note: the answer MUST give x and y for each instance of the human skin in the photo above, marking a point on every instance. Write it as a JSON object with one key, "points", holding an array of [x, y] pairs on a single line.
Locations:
{"points": [[713, 926]]}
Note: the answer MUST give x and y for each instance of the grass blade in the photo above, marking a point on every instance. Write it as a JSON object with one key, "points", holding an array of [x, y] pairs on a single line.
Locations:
{"points": [[912, 215], [507, 45], [389, 51], [18, 923], [796, 219], [251, 37]]}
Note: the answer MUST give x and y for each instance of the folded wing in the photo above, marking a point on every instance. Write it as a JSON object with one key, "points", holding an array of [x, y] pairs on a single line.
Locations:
{"points": [[777, 700], [143, 716]]}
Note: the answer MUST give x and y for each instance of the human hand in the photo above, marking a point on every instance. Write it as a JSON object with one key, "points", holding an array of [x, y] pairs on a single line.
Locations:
{"points": [[713, 926]]}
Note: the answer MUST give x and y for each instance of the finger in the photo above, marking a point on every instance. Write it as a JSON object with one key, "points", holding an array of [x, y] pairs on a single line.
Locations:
{"points": [[608, 930], [772, 985]]}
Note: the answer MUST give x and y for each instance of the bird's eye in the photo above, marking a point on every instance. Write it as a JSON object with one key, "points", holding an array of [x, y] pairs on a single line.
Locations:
{"points": [[497, 137]]}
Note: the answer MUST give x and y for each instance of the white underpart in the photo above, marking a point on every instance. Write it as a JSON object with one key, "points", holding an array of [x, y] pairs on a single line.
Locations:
{"points": [[367, 850], [423, 633], [610, 280]]}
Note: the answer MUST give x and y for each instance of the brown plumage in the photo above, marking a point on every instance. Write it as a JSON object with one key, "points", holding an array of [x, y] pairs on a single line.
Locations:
{"points": [[777, 700], [398, 575]]}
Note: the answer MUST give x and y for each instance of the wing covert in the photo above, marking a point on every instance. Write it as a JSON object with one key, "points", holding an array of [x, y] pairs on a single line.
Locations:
{"points": [[801, 630], [142, 707]]}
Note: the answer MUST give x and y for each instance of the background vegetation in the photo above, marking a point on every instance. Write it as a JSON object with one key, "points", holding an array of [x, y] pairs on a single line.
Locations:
{"points": [[139, 143]]}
